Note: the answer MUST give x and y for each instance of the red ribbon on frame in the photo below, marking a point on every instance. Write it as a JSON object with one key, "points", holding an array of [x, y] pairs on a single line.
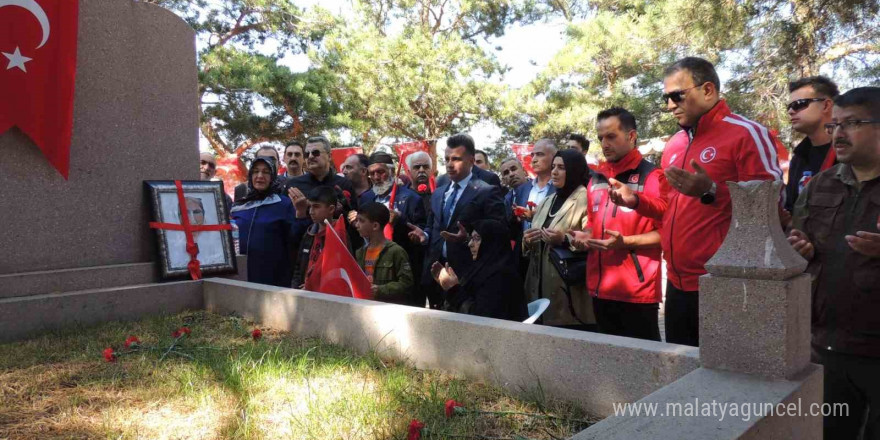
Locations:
{"points": [[192, 248]]}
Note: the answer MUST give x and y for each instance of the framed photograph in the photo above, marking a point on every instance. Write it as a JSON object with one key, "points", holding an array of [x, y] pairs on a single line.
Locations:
{"points": [[205, 205]]}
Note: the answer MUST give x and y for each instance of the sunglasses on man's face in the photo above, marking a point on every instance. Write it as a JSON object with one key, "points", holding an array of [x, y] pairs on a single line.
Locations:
{"points": [[800, 104], [676, 96], [313, 153]]}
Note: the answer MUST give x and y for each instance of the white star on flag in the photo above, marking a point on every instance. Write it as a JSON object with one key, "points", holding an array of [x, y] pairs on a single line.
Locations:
{"points": [[16, 60]]}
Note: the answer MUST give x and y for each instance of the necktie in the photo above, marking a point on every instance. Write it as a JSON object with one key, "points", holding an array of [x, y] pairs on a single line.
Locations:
{"points": [[449, 205]]}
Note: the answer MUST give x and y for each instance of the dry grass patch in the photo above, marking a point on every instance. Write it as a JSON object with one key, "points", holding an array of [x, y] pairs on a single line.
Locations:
{"points": [[282, 386]]}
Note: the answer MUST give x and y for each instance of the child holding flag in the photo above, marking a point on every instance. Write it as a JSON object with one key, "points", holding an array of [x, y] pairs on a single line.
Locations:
{"points": [[385, 262]]}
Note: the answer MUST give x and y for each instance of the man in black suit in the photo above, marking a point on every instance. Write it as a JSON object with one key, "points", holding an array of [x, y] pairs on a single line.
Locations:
{"points": [[463, 199]]}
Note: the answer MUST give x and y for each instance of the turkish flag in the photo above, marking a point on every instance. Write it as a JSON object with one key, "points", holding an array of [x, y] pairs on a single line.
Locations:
{"points": [[37, 71], [340, 273], [523, 152], [340, 154], [405, 149]]}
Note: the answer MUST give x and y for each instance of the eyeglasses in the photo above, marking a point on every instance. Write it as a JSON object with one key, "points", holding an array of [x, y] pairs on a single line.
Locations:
{"points": [[421, 167], [849, 125], [209, 164], [678, 95], [195, 211], [313, 153], [800, 104]]}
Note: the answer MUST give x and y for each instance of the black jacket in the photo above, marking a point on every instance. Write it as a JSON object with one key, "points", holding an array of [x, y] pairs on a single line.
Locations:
{"points": [[800, 162]]}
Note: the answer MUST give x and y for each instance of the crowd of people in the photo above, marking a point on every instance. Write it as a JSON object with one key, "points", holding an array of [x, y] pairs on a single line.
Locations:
{"points": [[591, 239]]}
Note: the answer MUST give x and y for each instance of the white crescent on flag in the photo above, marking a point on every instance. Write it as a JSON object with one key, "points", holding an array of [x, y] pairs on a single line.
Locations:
{"points": [[339, 274], [37, 11]]}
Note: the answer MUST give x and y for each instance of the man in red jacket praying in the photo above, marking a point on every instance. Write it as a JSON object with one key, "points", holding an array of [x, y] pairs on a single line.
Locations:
{"points": [[714, 146], [623, 269]]}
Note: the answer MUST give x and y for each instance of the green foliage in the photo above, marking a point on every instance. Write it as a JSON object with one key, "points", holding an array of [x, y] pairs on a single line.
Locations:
{"points": [[616, 51], [413, 69], [247, 96]]}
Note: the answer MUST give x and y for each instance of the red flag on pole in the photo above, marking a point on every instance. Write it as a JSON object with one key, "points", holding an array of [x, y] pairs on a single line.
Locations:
{"points": [[37, 71], [341, 274], [523, 152], [340, 154], [405, 149], [389, 229]]}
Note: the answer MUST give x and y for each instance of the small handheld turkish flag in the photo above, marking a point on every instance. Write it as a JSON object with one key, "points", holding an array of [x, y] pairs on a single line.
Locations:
{"points": [[37, 71], [341, 274]]}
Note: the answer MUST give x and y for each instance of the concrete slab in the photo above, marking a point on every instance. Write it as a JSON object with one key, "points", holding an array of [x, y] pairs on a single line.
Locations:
{"points": [[755, 326], [705, 389], [89, 278], [136, 118], [27, 316], [589, 369]]}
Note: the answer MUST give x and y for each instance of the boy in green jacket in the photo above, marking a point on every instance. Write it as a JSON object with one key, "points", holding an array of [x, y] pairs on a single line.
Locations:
{"points": [[385, 262]]}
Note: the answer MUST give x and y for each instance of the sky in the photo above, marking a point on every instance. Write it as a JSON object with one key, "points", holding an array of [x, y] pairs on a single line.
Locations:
{"points": [[526, 50]]}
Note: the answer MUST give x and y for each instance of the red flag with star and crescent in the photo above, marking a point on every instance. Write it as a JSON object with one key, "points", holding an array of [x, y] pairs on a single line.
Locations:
{"points": [[37, 71]]}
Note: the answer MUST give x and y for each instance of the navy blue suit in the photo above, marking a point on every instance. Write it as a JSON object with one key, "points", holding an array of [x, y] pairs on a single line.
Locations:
{"points": [[478, 200]]}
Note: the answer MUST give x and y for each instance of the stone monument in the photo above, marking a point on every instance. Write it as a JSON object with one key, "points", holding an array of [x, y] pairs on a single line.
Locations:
{"points": [[754, 340], [135, 118]]}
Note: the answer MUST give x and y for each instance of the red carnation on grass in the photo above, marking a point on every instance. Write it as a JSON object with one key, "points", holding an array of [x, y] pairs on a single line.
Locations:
{"points": [[531, 205], [109, 354], [180, 332], [415, 430], [422, 188], [451, 405], [257, 334], [132, 341]]}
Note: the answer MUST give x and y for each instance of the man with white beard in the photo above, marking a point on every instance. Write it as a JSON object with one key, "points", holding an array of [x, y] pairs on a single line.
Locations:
{"points": [[407, 208]]}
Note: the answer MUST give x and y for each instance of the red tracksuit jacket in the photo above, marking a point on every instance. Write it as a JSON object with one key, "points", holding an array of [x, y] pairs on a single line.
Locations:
{"points": [[730, 148], [632, 276]]}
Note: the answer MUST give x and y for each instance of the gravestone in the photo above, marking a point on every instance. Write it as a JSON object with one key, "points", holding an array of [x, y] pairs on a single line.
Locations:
{"points": [[754, 342], [135, 118]]}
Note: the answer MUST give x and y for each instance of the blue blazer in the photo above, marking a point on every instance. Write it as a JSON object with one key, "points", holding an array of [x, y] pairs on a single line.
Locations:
{"points": [[412, 210], [479, 200]]}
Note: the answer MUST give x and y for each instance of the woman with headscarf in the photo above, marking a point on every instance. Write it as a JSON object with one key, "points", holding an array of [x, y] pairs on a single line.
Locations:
{"points": [[494, 287], [566, 210], [265, 218]]}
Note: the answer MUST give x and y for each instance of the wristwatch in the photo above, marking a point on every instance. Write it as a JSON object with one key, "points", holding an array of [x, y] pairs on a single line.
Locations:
{"points": [[708, 197]]}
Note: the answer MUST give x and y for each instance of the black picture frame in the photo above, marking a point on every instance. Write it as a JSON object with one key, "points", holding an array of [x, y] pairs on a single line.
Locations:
{"points": [[216, 248]]}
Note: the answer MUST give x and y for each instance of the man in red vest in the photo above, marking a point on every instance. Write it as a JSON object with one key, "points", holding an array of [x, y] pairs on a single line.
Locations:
{"points": [[623, 269]]}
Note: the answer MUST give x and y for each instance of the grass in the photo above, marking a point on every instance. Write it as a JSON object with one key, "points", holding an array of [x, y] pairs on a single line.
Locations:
{"points": [[282, 386]]}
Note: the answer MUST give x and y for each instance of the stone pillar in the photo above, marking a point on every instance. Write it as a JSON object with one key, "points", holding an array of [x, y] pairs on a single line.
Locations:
{"points": [[755, 301]]}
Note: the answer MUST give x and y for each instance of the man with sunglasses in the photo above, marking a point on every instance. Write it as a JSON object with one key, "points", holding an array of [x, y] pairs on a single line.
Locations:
{"points": [[714, 146], [319, 172], [809, 109], [837, 229]]}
